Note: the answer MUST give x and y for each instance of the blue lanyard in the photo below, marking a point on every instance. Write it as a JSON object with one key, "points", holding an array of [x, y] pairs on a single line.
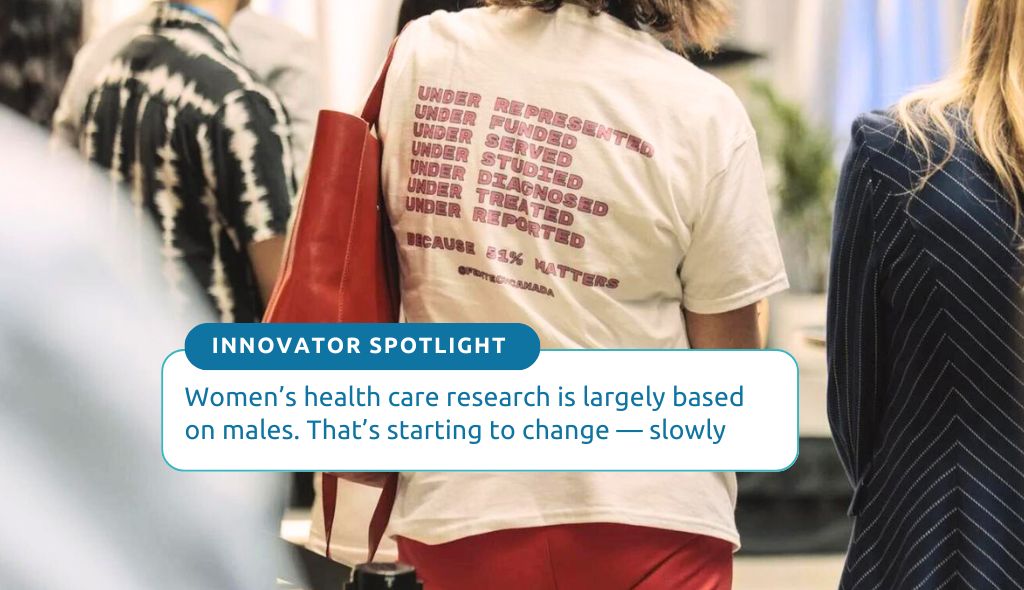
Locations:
{"points": [[196, 11]]}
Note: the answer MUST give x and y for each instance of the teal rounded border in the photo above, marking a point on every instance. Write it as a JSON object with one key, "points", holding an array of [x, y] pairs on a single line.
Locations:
{"points": [[796, 365]]}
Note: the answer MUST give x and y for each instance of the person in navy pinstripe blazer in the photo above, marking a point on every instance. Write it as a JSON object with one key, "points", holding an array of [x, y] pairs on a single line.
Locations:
{"points": [[926, 325]]}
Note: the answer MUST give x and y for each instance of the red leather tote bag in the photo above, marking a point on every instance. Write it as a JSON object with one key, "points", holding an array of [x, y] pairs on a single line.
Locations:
{"points": [[341, 263]]}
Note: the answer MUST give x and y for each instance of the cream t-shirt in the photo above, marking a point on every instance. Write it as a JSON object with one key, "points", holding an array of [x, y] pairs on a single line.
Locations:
{"points": [[568, 172]]}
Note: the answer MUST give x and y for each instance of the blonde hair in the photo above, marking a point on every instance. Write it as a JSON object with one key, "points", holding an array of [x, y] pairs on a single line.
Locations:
{"points": [[684, 23], [985, 94]]}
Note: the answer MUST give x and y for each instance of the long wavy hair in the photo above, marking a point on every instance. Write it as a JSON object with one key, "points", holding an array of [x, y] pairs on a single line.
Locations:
{"points": [[984, 95], [685, 23]]}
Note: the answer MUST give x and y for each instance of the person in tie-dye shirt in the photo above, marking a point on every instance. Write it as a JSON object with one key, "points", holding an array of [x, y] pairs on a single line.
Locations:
{"points": [[204, 147]]}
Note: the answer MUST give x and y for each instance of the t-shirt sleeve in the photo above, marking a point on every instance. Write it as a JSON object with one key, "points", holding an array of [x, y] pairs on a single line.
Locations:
{"points": [[252, 165], [733, 257]]}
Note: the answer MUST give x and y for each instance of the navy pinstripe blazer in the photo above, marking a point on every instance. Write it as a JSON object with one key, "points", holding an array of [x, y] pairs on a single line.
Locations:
{"points": [[926, 368]]}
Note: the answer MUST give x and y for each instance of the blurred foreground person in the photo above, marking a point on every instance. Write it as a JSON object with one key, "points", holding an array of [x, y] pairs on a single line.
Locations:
{"points": [[926, 324], [38, 41], [634, 218], [88, 501], [204, 147], [285, 61], [282, 58]]}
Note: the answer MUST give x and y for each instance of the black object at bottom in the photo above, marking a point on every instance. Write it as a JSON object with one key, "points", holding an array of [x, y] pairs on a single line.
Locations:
{"points": [[800, 511], [384, 576]]}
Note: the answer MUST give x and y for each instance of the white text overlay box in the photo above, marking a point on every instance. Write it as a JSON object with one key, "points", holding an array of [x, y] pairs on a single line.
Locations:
{"points": [[665, 410]]}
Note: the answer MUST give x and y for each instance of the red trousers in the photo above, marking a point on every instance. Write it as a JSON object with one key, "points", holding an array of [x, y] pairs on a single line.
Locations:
{"points": [[574, 557]]}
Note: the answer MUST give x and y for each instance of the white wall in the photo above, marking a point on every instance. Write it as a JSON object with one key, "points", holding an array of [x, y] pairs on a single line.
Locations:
{"points": [[355, 35], [801, 41]]}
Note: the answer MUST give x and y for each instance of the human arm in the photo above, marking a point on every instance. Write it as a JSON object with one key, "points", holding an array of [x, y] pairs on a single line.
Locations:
{"points": [[853, 303], [746, 327]]}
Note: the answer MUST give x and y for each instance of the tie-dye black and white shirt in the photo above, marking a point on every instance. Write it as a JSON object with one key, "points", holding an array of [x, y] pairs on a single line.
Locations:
{"points": [[203, 146]]}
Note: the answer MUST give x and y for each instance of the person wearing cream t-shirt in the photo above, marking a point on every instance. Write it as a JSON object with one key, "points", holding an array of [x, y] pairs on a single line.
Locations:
{"points": [[565, 170]]}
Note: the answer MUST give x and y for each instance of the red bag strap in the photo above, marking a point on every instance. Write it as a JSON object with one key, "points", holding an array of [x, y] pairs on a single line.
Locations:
{"points": [[379, 520], [382, 514], [329, 481], [329, 501], [371, 110]]}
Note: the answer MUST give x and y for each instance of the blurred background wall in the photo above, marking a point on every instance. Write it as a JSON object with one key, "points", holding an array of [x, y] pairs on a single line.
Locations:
{"points": [[352, 36], [834, 57], [837, 58]]}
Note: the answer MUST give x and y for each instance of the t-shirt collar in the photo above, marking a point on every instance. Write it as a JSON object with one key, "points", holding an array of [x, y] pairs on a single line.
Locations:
{"points": [[177, 15]]}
